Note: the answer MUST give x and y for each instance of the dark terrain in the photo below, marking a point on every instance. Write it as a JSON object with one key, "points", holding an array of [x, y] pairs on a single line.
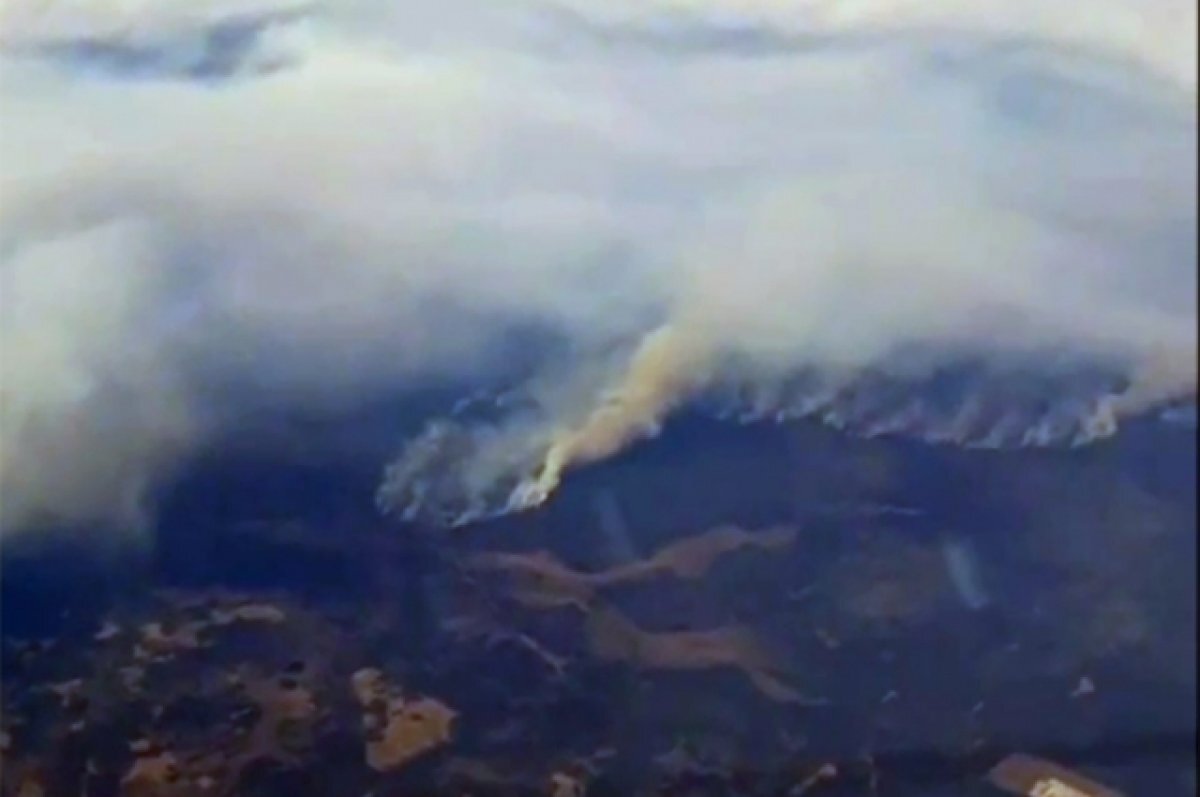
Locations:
{"points": [[725, 610]]}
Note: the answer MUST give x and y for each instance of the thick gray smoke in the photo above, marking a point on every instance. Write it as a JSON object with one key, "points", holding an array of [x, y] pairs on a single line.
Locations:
{"points": [[971, 222]]}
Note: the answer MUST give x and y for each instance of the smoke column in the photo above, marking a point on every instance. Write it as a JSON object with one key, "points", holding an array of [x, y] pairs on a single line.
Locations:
{"points": [[971, 223]]}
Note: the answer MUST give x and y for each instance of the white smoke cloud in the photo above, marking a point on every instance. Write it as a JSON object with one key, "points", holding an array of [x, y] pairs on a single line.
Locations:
{"points": [[330, 203]]}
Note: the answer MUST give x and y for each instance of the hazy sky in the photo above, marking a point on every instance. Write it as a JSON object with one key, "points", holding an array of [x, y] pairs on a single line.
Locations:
{"points": [[335, 201]]}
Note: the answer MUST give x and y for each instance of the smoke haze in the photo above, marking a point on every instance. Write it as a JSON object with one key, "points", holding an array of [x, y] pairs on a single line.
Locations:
{"points": [[778, 209]]}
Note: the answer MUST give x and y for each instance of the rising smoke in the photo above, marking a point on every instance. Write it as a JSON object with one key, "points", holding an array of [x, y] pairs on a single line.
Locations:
{"points": [[971, 222]]}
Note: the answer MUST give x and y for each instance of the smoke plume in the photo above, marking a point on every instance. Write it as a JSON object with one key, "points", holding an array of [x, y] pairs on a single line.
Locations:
{"points": [[973, 224]]}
